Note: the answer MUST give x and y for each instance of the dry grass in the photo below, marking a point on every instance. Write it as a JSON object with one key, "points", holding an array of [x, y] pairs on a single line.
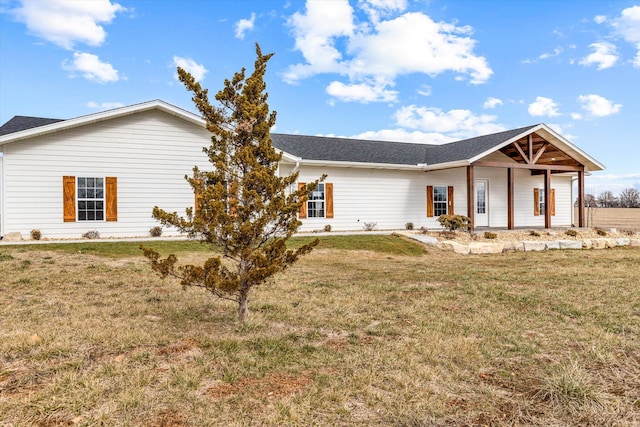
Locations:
{"points": [[345, 337], [620, 218]]}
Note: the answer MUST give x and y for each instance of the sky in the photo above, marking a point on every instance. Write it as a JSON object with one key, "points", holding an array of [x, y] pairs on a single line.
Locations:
{"points": [[421, 71]]}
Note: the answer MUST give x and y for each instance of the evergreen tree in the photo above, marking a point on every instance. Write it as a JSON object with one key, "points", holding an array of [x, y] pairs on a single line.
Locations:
{"points": [[243, 208]]}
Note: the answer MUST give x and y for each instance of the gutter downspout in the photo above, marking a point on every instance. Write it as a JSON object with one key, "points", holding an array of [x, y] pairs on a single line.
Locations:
{"points": [[297, 166]]}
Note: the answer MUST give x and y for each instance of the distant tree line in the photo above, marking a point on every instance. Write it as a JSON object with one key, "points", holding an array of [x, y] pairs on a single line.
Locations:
{"points": [[629, 198]]}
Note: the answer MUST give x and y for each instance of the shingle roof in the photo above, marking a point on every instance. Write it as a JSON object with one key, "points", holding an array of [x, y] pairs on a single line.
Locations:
{"points": [[469, 148], [345, 149], [365, 151], [18, 123], [350, 150]]}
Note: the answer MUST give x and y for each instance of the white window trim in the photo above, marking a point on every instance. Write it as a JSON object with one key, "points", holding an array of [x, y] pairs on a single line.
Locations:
{"points": [[103, 199], [311, 202], [440, 202]]}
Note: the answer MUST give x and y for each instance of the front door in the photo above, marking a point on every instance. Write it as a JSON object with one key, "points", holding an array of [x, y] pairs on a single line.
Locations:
{"points": [[482, 203]]}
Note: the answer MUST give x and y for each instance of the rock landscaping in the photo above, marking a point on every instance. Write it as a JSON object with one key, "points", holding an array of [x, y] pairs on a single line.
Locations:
{"points": [[541, 240]]}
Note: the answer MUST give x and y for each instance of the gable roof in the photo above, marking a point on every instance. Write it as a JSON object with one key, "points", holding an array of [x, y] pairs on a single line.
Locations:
{"points": [[469, 148], [39, 128], [323, 150], [18, 123]]}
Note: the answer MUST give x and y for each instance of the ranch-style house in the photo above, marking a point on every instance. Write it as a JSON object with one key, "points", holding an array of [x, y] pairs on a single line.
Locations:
{"points": [[106, 171]]}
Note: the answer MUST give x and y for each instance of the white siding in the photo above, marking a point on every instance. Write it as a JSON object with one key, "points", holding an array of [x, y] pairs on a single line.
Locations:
{"points": [[497, 203], [389, 198], [148, 152]]}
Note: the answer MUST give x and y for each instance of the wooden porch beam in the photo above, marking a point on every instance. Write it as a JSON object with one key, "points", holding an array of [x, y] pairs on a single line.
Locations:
{"points": [[563, 168], [547, 199], [470, 197], [581, 198], [540, 151], [510, 199], [530, 144], [524, 156]]}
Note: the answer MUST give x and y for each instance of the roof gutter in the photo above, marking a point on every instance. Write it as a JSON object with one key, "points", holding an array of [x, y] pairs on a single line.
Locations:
{"points": [[342, 164]]}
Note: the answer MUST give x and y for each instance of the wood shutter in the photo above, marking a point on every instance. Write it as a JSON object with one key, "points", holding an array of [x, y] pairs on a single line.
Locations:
{"points": [[429, 201], [450, 210], [69, 198], [111, 194], [553, 201], [303, 206], [328, 197], [536, 202]]}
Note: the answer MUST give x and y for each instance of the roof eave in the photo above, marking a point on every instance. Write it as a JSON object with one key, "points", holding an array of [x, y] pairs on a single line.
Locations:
{"points": [[362, 165], [446, 165], [589, 162], [101, 116]]}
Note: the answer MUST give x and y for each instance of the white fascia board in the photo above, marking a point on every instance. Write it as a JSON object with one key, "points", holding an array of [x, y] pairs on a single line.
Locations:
{"points": [[560, 142], [572, 149], [101, 116], [360, 165], [504, 144], [448, 165], [289, 157]]}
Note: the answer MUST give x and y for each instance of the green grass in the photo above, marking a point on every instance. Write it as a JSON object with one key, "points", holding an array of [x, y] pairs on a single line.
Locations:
{"points": [[393, 245], [366, 331]]}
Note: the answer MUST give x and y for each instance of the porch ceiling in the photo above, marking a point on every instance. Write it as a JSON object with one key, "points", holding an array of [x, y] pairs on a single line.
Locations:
{"points": [[537, 150]]}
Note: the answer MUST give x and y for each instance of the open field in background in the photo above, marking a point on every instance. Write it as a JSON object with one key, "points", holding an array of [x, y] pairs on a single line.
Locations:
{"points": [[620, 218], [369, 330]]}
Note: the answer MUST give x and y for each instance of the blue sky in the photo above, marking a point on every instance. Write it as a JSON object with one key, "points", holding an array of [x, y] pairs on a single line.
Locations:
{"points": [[404, 70]]}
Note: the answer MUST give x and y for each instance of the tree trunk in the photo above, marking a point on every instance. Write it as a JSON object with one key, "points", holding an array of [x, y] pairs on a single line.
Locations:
{"points": [[243, 308]]}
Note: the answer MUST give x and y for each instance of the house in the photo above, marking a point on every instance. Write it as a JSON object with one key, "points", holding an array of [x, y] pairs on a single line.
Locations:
{"points": [[106, 171]]}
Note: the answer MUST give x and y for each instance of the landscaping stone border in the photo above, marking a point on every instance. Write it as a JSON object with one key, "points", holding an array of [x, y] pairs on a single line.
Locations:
{"points": [[476, 248]]}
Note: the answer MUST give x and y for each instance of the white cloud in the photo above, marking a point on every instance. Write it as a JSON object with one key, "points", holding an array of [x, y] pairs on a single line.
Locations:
{"points": [[455, 123], [376, 9], [492, 102], [576, 116], [382, 48], [543, 107], [401, 135], [627, 25], [557, 51], [91, 68], [244, 25], [67, 22], [425, 90], [604, 55], [598, 183], [362, 92], [598, 106], [198, 71], [104, 105], [599, 19]]}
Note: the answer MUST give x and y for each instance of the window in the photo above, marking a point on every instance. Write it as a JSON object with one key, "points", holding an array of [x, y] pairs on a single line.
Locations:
{"points": [[315, 202], [538, 201], [481, 193], [318, 203], [439, 200], [91, 199]]}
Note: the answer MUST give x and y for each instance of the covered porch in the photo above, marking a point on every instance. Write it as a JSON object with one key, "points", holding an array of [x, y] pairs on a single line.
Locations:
{"points": [[537, 154]]}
